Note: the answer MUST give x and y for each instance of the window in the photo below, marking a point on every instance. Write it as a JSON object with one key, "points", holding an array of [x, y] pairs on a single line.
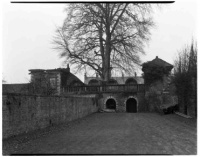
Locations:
{"points": [[130, 81], [53, 82]]}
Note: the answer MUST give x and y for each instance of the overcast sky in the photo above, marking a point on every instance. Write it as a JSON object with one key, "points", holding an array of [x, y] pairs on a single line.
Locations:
{"points": [[28, 31]]}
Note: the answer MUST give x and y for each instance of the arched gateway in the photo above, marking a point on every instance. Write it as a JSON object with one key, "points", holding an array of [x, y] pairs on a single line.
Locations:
{"points": [[111, 104], [131, 105]]}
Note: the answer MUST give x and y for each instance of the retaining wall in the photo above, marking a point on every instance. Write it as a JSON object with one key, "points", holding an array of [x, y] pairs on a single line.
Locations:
{"points": [[121, 98], [22, 113]]}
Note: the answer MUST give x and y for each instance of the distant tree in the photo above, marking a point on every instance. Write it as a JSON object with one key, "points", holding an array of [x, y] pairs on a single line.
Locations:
{"points": [[4, 80], [185, 74], [99, 36]]}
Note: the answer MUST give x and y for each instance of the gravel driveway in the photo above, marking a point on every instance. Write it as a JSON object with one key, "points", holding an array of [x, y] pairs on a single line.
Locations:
{"points": [[111, 133]]}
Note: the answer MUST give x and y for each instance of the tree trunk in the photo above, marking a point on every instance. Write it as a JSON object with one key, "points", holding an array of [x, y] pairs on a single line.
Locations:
{"points": [[107, 61], [108, 48], [102, 49], [107, 66]]}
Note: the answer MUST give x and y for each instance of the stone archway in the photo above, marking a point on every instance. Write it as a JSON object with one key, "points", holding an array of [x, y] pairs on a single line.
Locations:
{"points": [[112, 82], [111, 104], [131, 105], [130, 81], [93, 82]]}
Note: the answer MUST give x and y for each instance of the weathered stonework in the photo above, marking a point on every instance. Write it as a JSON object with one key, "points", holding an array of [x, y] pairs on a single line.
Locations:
{"points": [[53, 80], [58, 83], [119, 80], [23, 113], [158, 96], [121, 99]]}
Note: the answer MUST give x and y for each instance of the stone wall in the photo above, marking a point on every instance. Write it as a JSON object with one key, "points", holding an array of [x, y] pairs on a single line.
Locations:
{"points": [[121, 98], [15, 88], [23, 113], [160, 101]]}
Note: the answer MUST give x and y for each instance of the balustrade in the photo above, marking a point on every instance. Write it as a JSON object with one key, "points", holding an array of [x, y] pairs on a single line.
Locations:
{"points": [[105, 88]]}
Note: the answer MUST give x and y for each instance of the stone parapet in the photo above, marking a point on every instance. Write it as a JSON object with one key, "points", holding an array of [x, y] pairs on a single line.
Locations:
{"points": [[22, 114]]}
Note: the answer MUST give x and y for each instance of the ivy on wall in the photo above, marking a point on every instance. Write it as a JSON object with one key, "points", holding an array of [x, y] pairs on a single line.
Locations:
{"points": [[153, 72]]}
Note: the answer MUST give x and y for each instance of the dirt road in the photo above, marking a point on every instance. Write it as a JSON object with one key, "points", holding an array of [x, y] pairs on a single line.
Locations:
{"points": [[112, 133]]}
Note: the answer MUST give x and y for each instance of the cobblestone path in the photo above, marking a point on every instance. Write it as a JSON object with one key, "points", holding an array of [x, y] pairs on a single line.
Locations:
{"points": [[112, 133]]}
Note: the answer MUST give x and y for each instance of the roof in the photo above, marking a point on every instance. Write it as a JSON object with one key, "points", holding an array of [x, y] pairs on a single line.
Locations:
{"points": [[160, 62], [67, 77], [50, 70], [120, 80], [157, 62]]}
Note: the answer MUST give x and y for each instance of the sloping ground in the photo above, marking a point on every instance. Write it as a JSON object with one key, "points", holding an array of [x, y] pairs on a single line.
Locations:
{"points": [[112, 133]]}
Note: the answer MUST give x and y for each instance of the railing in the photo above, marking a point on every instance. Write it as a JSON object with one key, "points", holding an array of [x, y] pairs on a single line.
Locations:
{"points": [[104, 89]]}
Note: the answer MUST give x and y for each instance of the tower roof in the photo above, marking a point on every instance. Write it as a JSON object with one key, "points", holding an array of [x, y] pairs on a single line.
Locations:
{"points": [[160, 62], [157, 62]]}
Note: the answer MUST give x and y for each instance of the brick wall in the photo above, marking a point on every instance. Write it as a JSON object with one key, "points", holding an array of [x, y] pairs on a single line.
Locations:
{"points": [[22, 113]]}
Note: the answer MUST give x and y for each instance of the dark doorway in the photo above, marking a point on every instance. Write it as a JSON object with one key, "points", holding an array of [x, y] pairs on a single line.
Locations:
{"points": [[131, 105], [111, 104]]}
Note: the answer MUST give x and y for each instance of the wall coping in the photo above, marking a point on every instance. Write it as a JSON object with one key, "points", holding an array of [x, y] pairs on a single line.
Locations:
{"points": [[37, 95]]}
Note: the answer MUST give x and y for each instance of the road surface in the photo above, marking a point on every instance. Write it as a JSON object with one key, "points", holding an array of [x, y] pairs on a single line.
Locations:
{"points": [[111, 133]]}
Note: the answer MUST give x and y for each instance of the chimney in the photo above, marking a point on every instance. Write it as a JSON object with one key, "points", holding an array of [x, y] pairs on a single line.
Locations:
{"points": [[85, 76], [135, 74], [156, 57], [97, 75], [68, 69], [110, 69]]}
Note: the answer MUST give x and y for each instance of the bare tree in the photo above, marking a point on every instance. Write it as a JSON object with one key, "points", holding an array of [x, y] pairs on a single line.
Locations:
{"points": [[3, 81], [186, 61], [185, 75], [99, 36]]}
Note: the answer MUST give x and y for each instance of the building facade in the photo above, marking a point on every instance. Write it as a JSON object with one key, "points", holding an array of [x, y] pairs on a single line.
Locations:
{"points": [[116, 99], [115, 80], [53, 81]]}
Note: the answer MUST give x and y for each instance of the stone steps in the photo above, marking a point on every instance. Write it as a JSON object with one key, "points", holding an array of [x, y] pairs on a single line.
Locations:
{"points": [[183, 115]]}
